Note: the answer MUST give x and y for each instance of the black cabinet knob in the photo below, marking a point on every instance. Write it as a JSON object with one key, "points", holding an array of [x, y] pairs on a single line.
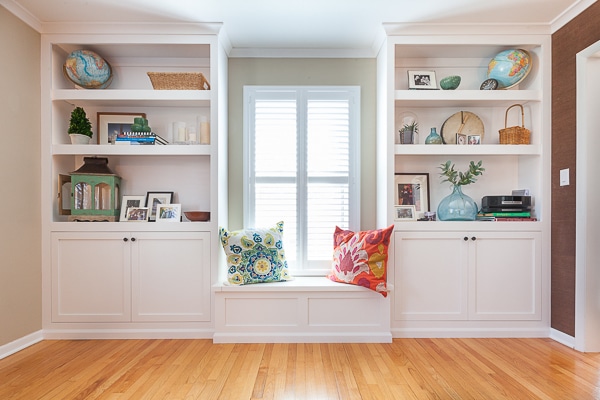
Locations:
{"points": [[473, 238], [133, 239], [465, 238], [125, 239]]}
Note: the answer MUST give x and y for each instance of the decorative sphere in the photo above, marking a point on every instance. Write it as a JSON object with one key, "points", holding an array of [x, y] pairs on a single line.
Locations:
{"points": [[509, 67], [450, 82], [88, 70]]}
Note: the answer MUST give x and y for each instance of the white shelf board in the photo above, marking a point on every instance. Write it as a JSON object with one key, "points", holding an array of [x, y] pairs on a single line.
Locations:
{"points": [[131, 150], [464, 98], [453, 149], [140, 97]]}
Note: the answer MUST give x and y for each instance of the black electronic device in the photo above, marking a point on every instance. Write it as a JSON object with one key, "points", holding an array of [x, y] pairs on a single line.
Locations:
{"points": [[506, 203]]}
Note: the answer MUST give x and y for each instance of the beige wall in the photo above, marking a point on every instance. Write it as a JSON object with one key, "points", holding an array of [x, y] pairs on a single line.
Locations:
{"points": [[273, 71], [20, 232]]}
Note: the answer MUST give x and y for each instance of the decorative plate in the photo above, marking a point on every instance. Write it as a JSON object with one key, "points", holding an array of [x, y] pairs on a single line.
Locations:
{"points": [[464, 122]]}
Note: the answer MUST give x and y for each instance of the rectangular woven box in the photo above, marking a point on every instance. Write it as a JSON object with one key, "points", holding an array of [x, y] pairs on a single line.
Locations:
{"points": [[178, 81]]}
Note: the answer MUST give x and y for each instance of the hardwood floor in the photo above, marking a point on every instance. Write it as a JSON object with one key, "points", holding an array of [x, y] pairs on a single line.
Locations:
{"points": [[199, 369]]}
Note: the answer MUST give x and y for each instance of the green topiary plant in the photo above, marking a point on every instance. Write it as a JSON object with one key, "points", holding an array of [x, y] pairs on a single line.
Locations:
{"points": [[457, 178], [80, 123]]}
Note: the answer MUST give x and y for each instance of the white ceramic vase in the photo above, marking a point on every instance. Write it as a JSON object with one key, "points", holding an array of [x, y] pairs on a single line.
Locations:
{"points": [[77, 138]]}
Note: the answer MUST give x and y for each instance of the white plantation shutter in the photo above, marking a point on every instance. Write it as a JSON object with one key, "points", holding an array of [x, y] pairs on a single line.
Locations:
{"points": [[302, 159]]}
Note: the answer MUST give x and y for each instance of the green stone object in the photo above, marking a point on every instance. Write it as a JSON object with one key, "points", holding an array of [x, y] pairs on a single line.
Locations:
{"points": [[450, 82]]}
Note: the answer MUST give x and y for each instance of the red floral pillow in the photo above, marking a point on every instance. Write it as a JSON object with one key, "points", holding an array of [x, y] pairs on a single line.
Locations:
{"points": [[360, 258]]}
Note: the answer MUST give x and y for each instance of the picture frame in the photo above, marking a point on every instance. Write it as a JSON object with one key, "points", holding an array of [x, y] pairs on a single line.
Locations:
{"points": [[405, 213], [474, 139], [154, 199], [137, 214], [168, 213], [130, 202], [111, 123], [461, 139], [422, 80], [412, 189]]}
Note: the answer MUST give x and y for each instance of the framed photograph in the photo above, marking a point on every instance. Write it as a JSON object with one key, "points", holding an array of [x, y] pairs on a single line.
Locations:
{"points": [[422, 80], [461, 139], [154, 199], [474, 139], [412, 190], [128, 202], [168, 213], [111, 124], [138, 214], [405, 213]]}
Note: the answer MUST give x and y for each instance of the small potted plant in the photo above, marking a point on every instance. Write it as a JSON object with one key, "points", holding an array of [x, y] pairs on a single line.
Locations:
{"points": [[409, 132], [458, 206], [80, 128]]}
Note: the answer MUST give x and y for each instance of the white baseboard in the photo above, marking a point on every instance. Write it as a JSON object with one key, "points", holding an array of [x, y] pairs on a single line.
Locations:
{"points": [[21, 343], [301, 337], [562, 338], [76, 334], [476, 332]]}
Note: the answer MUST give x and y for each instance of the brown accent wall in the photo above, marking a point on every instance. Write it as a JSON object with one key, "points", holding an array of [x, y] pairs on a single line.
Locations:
{"points": [[578, 34]]}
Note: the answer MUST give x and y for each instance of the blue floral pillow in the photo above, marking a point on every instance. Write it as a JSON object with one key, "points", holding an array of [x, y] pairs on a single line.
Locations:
{"points": [[255, 255]]}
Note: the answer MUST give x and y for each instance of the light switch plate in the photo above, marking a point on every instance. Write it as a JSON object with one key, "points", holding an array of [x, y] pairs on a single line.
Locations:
{"points": [[564, 177]]}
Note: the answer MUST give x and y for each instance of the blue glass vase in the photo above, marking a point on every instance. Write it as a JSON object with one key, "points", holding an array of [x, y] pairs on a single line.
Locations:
{"points": [[457, 206], [433, 137]]}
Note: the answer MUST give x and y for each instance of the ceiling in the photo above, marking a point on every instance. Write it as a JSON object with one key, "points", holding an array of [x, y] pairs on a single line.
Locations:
{"points": [[299, 24]]}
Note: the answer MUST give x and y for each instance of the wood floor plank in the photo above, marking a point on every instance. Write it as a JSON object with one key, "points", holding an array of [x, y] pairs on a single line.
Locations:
{"points": [[198, 369]]}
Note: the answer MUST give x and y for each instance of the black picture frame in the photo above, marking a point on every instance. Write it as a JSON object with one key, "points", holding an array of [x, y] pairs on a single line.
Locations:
{"points": [[153, 199], [412, 189]]}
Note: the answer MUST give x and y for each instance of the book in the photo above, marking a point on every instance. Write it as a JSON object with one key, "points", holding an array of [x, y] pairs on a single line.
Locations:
{"points": [[526, 214]]}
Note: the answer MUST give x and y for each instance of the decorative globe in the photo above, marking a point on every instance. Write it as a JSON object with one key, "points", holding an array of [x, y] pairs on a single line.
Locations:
{"points": [[509, 67], [88, 70]]}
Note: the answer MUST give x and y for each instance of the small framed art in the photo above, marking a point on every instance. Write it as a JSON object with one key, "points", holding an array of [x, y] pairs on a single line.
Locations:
{"points": [[405, 213], [110, 124], [422, 80], [412, 190], [474, 139], [154, 199], [128, 202], [461, 139], [138, 214], [168, 213]]}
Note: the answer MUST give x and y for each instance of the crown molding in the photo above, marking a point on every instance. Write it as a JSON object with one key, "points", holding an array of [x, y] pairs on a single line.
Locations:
{"points": [[23, 14], [569, 14]]}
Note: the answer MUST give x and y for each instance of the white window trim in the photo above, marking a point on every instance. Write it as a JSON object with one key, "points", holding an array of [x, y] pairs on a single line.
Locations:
{"points": [[353, 93]]}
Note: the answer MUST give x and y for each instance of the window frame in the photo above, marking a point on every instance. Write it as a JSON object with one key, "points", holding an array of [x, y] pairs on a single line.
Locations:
{"points": [[302, 95]]}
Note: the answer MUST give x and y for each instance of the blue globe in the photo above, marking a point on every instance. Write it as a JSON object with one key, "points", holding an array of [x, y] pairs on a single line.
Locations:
{"points": [[88, 70], [509, 67]]}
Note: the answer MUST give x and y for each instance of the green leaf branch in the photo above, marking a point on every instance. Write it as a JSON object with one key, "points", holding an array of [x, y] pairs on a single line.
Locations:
{"points": [[458, 178]]}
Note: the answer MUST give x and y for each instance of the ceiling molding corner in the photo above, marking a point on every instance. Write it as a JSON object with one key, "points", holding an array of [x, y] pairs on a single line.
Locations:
{"points": [[569, 14], [23, 14]]}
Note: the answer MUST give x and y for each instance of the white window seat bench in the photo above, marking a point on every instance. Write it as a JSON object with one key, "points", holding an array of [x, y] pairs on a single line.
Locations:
{"points": [[304, 310]]}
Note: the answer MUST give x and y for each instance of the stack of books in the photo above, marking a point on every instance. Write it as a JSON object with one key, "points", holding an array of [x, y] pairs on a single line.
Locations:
{"points": [[506, 216], [139, 138]]}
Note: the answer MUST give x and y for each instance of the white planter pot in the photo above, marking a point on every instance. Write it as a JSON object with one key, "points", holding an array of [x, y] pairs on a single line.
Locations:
{"points": [[76, 138]]}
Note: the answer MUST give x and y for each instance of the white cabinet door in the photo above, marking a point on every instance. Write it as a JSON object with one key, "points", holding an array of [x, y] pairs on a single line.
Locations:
{"points": [[467, 276], [505, 276], [91, 277], [430, 276], [171, 276]]}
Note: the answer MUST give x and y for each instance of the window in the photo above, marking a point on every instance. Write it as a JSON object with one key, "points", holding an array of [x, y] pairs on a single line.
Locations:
{"points": [[302, 161]]}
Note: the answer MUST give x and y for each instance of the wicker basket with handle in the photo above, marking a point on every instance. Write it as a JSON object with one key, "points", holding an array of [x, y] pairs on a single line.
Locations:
{"points": [[515, 134]]}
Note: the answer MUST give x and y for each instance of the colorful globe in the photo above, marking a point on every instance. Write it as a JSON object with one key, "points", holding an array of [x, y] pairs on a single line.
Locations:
{"points": [[88, 70], [509, 67]]}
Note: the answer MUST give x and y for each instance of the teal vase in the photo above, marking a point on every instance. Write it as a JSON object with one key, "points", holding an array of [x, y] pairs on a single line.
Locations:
{"points": [[457, 207], [433, 138]]}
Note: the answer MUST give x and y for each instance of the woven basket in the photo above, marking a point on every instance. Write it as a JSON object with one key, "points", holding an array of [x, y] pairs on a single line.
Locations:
{"points": [[178, 81], [515, 134]]}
